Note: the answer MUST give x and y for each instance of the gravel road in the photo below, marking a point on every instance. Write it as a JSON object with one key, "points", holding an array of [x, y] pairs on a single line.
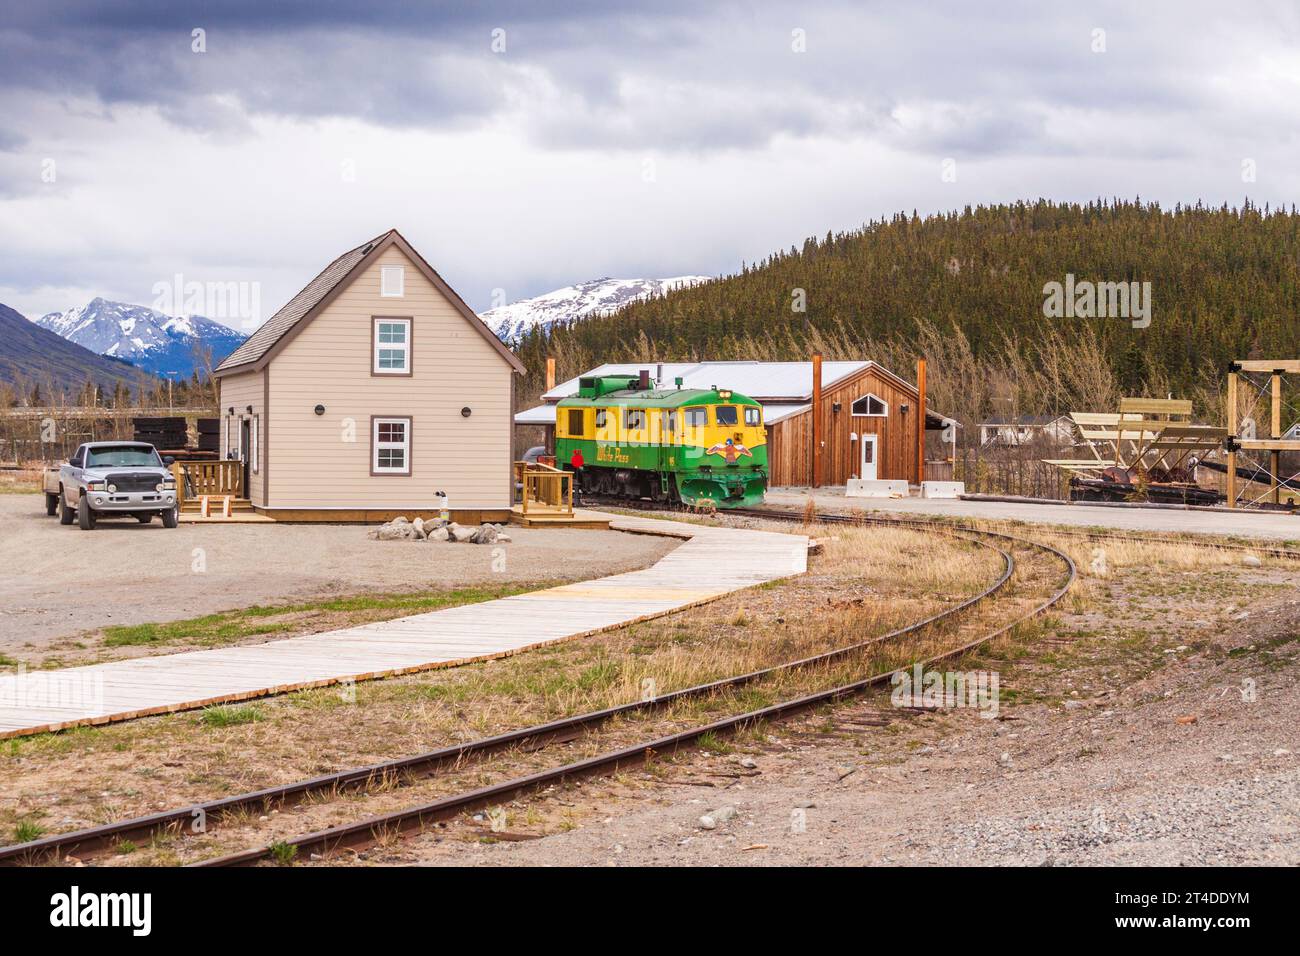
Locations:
{"points": [[58, 581]]}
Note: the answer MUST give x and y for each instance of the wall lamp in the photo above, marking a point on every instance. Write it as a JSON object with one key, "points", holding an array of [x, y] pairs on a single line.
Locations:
{"points": [[319, 409], [466, 412]]}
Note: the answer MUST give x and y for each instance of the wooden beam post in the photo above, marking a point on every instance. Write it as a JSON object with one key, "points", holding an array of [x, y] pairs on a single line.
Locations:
{"points": [[1275, 432], [920, 421], [550, 373], [818, 439], [1231, 425]]}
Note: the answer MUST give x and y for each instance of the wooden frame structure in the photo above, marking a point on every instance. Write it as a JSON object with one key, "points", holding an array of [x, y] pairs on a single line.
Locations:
{"points": [[546, 490], [1145, 434], [1243, 428]]}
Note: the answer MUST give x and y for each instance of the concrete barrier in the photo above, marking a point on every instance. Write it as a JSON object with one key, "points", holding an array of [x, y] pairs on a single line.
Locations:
{"points": [[864, 488], [943, 489]]}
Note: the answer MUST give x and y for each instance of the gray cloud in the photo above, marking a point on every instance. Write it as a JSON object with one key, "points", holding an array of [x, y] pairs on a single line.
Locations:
{"points": [[527, 165]]}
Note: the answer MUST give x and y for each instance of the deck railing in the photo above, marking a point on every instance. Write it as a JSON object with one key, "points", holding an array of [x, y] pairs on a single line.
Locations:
{"points": [[545, 488], [197, 478]]}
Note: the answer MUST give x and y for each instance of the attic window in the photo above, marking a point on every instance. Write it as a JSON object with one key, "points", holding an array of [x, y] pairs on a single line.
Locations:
{"points": [[392, 281], [869, 406]]}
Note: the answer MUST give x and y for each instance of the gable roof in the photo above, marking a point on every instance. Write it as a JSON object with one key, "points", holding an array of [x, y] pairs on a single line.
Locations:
{"points": [[277, 331]]}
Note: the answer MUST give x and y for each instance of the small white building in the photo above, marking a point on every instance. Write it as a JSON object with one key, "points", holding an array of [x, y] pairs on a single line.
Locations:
{"points": [[1025, 429]]}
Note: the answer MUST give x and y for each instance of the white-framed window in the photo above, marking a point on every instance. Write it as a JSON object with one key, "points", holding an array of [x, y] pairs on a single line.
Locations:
{"points": [[392, 347], [869, 406], [392, 281], [390, 446], [753, 416]]}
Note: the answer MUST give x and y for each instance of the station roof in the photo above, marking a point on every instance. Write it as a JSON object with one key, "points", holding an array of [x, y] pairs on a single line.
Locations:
{"points": [[782, 388], [762, 381]]}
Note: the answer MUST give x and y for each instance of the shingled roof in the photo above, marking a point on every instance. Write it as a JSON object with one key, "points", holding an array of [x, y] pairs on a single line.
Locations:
{"points": [[259, 347]]}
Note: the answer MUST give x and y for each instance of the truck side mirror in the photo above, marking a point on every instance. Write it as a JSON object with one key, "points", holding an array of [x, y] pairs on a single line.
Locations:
{"points": [[168, 461]]}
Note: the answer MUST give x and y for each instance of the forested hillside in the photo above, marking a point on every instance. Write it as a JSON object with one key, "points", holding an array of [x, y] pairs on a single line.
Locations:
{"points": [[966, 290]]}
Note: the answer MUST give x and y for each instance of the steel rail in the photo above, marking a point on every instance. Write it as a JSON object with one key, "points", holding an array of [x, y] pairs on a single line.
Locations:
{"points": [[372, 829], [94, 839]]}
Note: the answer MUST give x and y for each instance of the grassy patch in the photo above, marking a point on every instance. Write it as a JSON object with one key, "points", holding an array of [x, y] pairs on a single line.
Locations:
{"points": [[7, 661], [230, 716], [229, 627], [283, 853], [713, 743], [26, 831]]}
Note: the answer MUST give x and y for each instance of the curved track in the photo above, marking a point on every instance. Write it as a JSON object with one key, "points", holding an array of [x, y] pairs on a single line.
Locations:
{"points": [[91, 840]]}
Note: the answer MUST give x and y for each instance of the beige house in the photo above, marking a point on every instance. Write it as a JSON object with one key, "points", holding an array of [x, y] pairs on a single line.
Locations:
{"points": [[375, 388]]}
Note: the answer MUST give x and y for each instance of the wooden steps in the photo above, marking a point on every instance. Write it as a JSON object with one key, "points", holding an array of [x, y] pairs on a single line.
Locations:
{"points": [[539, 517]]}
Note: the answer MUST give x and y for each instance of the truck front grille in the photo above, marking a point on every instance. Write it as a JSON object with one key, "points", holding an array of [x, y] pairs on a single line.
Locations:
{"points": [[126, 481]]}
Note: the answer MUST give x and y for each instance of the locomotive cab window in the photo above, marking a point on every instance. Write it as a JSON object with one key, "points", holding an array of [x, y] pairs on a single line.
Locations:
{"points": [[670, 421], [633, 418], [869, 406], [600, 418], [577, 423], [696, 417], [725, 415], [753, 416]]}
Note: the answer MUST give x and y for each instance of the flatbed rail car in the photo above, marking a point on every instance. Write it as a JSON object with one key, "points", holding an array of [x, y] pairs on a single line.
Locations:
{"points": [[694, 446]]}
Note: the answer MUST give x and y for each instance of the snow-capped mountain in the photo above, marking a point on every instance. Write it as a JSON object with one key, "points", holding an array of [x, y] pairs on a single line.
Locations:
{"points": [[597, 297], [158, 343]]}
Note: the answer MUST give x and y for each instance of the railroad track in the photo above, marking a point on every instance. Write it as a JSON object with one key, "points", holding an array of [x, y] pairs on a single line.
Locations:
{"points": [[88, 842]]}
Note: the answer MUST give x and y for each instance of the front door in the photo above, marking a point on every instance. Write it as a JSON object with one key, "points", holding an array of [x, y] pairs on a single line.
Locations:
{"points": [[869, 457], [245, 453]]}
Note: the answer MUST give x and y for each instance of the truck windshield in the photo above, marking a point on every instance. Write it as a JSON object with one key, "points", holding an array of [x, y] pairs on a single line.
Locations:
{"points": [[114, 456]]}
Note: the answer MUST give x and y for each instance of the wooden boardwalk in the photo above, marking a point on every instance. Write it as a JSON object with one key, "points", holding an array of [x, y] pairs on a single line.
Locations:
{"points": [[710, 563]]}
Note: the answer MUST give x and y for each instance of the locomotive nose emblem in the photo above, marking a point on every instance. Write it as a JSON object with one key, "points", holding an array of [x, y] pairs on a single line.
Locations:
{"points": [[730, 450]]}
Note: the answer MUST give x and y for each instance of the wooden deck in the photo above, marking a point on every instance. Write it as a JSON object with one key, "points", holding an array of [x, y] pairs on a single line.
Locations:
{"points": [[710, 563], [541, 518]]}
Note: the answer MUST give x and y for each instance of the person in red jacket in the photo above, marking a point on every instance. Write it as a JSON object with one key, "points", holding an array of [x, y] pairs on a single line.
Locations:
{"points": [[576, 462]]}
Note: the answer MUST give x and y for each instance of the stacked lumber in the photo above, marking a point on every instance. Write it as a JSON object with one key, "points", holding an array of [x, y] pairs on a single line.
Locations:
{"points": [[162, 433]]}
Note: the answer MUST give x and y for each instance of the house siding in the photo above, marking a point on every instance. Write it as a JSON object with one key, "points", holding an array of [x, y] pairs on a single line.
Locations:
{"points": [[238, 392], [324, 461], [790, 440]]}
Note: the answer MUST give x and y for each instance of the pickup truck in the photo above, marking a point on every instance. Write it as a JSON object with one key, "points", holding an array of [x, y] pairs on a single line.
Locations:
{"points": [[110, 479]]}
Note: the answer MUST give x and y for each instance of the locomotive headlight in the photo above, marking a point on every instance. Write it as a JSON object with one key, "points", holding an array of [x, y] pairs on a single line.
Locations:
{"points": [[724, 394]]}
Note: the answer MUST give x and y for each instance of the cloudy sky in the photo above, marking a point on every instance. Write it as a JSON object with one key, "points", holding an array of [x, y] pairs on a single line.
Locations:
{"points": [[525, 146]]}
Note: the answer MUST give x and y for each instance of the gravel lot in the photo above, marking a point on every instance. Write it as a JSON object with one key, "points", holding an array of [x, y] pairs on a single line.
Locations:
{"points": [[57, 581]]}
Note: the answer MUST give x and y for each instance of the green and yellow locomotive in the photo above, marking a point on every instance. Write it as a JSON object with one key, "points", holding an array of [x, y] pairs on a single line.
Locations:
{"points": [[665, 444]]}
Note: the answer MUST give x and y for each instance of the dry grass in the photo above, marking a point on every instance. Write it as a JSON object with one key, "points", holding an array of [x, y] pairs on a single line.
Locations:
{"points": [[20, 481]]}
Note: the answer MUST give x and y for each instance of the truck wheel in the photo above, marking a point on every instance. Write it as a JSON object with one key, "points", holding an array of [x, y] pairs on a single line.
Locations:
{"points": [[144, 517], [171, 518], [85, 517], [66, 515], [51, 504]]}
